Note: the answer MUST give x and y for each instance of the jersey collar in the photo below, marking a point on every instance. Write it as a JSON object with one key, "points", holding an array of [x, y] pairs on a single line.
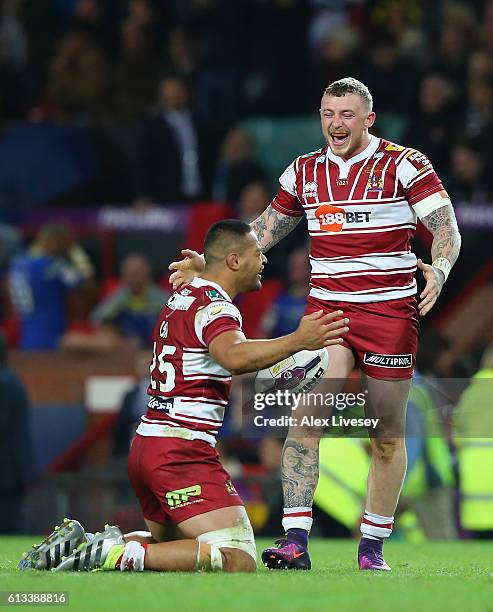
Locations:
{"points": [[344, 166], [200, 282]]}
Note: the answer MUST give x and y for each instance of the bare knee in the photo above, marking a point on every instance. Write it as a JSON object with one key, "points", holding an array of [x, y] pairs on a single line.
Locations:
{"points": [[385, 450], [235, 560]]}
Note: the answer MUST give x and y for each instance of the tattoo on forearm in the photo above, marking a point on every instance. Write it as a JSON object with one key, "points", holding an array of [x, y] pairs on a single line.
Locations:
{"points": [[272, 226], [299, 473], [446, 238]]}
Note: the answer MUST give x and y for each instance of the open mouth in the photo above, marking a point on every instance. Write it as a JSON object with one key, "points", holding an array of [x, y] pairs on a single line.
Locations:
{"points": [[339, 139]]}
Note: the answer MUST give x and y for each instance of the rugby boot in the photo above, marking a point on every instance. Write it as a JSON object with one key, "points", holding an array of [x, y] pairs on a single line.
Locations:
{"points": [[92, 555], [48, 554], [286, 555], [370, 555]]}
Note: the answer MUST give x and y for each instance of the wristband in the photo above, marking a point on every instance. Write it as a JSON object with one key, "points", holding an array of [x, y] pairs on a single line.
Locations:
{"points": [[443, 264]]}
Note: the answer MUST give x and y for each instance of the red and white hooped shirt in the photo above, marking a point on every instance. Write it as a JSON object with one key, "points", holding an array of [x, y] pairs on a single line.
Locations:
{"points": [[189, 390], [362, 215]]}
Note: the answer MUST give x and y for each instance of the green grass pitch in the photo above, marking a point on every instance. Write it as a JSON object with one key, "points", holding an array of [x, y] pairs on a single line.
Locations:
{"points": [[455, 576]]}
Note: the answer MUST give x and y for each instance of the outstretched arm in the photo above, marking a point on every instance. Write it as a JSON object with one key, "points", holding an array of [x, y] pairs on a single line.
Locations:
{"points": [[271, 227], [444, 252]]}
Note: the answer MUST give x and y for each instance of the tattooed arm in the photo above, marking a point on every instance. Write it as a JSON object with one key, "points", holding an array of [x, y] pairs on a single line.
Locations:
{"points": [[299, 472], [272, 226], [444, 252]]}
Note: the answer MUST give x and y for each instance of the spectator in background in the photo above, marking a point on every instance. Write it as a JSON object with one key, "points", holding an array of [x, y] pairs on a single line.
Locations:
{"points": [[10, 243], [336, 58], [456, 37], [235, 168], [288, 308], [479, 66], [98, 19], [77, 78], [14, 48], [383, 72], [469, 182], [179, 54], [174, 150], [479, 110], [16, 449], [131, 311], [434, 124], [402, 21], [252, 197], [136, 72], [40, 281]]}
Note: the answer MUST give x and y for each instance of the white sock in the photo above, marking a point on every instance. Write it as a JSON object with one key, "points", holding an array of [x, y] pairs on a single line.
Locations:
{"points": [[133, 557], [376, 526], [297, 518]]}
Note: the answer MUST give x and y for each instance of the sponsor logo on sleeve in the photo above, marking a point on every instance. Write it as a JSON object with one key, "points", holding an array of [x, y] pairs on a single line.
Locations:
{"points": [[180, 302], [215, 310], [225, 308], [214, 295], [393, 147], [419, 158], [388, 361]]}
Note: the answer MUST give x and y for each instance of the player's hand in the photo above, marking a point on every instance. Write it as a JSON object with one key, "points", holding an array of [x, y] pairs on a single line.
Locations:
{"points": [[434, 282], [317, 330], [186, 269]]}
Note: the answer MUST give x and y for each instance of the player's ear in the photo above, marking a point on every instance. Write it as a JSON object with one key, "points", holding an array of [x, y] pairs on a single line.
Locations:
{"points": [[233, 261], [370, 119]]}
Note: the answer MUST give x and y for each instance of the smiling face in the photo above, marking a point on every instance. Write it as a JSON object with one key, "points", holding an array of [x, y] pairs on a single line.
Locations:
{"points": [[251, 264], [345, 122]]}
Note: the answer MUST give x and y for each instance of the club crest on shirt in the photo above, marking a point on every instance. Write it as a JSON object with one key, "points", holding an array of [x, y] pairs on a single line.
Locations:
{"points": [[375, 183], [310, 189]]}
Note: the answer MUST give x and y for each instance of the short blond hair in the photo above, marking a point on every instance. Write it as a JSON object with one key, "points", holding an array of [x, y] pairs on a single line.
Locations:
{"points": [[349, 85]]}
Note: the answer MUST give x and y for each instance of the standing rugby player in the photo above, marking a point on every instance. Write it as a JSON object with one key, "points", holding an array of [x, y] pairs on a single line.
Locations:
{"points": [[362, 197]]}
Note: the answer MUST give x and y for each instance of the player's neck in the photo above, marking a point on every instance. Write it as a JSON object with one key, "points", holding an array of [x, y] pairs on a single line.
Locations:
{"points": [[221, 280]]}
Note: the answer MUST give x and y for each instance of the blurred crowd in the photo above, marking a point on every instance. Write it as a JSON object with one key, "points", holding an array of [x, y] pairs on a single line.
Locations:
{"points": [[169, 85], [181, 74]]}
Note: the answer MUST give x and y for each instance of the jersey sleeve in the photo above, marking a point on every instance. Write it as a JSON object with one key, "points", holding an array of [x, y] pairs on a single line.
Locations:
{"points": [[286, 200], [419, 181], [216, 318]]}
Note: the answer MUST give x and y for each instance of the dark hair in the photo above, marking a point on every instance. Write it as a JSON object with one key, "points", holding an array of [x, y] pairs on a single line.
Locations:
{"points": [[222, 237], [348, 85]]}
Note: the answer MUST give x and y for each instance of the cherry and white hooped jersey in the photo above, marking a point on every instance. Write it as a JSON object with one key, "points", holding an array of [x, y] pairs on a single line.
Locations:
{"points": [[361, 215], [188, 389]]}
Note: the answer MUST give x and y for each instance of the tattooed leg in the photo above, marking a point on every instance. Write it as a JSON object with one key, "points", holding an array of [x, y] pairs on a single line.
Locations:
{"points": [[299, 471]]}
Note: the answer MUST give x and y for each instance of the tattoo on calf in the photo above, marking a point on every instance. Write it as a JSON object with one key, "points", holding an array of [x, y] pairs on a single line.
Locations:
{"points": [[299, 473]]}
